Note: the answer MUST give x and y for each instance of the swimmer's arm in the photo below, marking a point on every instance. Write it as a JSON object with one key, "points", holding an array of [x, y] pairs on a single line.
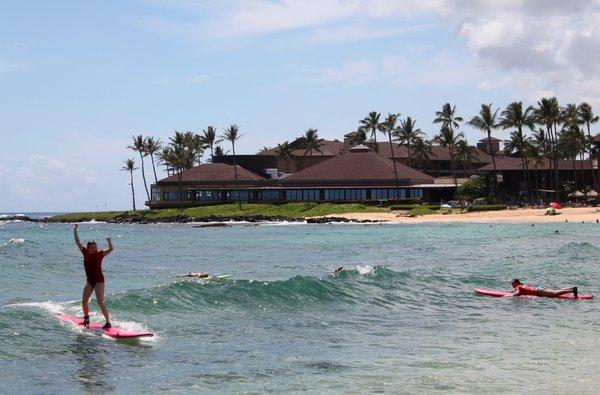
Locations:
{"points": [[517, 291], [76, 237], [110, 246]]}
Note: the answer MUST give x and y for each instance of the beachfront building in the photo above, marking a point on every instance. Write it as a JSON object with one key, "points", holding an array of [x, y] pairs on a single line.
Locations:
{"points": [[515, 174], [358, 175]]}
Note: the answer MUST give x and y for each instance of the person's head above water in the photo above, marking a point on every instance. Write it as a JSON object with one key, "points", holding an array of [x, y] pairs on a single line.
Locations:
{"points": [[515, 282], [92, 247]]}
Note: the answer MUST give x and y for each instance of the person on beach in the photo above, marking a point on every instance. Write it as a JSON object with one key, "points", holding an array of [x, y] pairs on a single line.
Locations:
{"points": [[92, 263], [521, 290]]}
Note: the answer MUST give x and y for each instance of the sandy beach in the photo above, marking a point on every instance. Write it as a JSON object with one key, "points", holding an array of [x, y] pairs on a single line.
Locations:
{"points": [[585, 214]]}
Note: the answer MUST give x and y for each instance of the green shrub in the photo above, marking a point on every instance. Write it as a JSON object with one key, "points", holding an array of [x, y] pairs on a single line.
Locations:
{"points": [[423, 210], [413, 206], [306, 206], [489, 207], [472, 188]]}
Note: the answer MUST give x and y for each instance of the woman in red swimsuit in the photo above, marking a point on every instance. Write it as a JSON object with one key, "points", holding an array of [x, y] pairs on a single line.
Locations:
{"points": [[521, 289], [92, 263]]}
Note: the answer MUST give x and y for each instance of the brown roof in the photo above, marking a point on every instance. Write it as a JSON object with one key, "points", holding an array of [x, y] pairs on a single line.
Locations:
{"points": [[508, 163], [214, 172], [400, 151], [485, 139], [358, 168], [328, 148]]}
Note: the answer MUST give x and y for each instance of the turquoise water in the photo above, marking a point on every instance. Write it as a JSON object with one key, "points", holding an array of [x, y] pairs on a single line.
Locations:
{"points": [[402, 319]]}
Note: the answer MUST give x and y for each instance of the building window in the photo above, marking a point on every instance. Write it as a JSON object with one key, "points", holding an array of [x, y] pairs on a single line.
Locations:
{"points": [[155, 193]]}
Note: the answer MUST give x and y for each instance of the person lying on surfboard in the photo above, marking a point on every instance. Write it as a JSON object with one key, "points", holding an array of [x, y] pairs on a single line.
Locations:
{"points": [[195, 275], [92, 263], [521, 289]]}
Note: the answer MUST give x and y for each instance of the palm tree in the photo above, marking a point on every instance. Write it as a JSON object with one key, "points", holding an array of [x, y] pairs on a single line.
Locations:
{"points": [[284, 150], [232, 134], [422, 152], [130, 167], [389, 128], [359, 137], [209, 139], [371, 122], [542, 147], [547, 113], [446, 138], [486, 121], [518, 145], [220, 152], [514, 116], [447, 117], [139, 145], [152, 147], [465, 153], [178, 158], [587, 117], [311, 141], [407, 133]]}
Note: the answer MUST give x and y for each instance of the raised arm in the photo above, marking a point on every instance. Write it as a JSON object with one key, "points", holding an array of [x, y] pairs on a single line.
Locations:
{"points": [[76, 236], [110, 246]]}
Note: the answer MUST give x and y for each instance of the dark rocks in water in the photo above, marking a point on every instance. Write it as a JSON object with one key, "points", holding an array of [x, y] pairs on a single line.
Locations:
{"points": [[19, 218], [212, 221], [215, 225], [326, 220]]}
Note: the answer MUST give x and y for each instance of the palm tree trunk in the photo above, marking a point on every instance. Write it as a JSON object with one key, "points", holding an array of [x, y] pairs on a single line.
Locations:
{"points": [[527, 178], [574, 173], [583, 180], [132, 190], [556, 162], [394, 161], [144, 176], [180, 179], [237, 187], [409, 153], [590, 155], [495, 192], [153, 168]]}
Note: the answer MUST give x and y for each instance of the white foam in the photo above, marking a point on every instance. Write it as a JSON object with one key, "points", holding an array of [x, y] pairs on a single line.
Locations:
{"points": [[366, 269], [49, 306], [16, 241]]}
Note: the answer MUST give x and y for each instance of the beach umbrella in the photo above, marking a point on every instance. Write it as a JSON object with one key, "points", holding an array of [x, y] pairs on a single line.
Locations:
{"points": [[592, 193], [555, 205], [576, 194], [446, 205]]}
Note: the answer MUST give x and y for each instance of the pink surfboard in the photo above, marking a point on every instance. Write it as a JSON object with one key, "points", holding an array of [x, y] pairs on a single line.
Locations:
{"points": [[113, 332], [498, 294]]}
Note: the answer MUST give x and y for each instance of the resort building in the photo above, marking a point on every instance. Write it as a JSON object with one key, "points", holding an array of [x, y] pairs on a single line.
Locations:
{"points": [[346, 172]]}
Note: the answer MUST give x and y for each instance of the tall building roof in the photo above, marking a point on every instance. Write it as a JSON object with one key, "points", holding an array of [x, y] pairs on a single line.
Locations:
{"points": [[357, 168]]}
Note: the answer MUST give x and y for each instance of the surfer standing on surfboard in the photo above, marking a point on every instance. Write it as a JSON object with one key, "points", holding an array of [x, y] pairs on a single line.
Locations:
{"points": [[92, 263], [521, 289]]}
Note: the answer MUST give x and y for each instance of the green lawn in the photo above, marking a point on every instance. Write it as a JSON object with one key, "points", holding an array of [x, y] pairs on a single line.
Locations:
{"points": [[290, 210]]}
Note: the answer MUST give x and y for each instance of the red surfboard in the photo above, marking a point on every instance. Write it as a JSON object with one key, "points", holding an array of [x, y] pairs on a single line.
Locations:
{"points": [[113, 332], [499, 294]]}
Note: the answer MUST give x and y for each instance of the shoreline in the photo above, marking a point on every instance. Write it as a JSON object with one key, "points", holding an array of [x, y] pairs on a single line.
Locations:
{"points": [[517, 216]]}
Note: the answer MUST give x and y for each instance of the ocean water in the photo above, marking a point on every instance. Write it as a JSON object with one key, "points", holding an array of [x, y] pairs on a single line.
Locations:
{"points": [[401, 319]]}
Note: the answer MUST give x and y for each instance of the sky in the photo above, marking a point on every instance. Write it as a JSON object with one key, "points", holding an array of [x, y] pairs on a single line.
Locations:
{"points": [[79, 78]]}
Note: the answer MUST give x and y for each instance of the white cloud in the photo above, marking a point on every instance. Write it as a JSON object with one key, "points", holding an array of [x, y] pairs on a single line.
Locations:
{"points": [[198, 79], [8, 66], [443, 69]]}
